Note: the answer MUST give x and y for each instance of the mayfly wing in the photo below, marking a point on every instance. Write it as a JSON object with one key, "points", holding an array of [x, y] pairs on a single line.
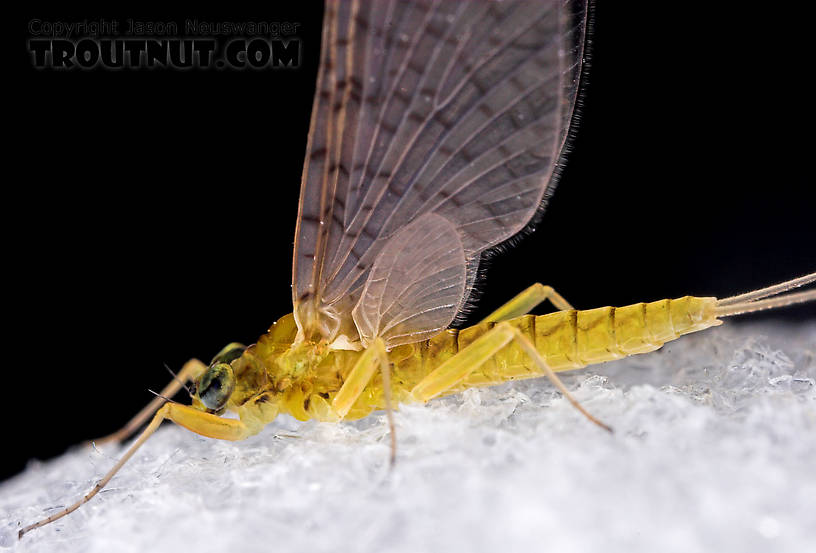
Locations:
{"points": [[460, 109], [416, 284], [316, 220]]}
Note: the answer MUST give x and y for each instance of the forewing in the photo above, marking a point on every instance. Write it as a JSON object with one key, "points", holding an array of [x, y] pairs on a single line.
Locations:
{"points": [[454, 108]]}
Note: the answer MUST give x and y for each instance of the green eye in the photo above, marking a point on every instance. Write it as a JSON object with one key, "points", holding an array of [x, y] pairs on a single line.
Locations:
{"points": [[216, 386]]}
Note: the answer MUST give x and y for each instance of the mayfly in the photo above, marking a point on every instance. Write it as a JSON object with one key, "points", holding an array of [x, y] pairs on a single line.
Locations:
{"points": [[436, 134]]}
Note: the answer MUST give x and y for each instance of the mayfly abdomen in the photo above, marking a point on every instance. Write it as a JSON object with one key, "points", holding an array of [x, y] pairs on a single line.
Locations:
{"points": [[569, 339], [573, 339]]}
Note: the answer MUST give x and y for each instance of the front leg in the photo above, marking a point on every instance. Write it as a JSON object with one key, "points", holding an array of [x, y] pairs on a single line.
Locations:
{"points": [[206, 424], [197, 421], [189, 373]]}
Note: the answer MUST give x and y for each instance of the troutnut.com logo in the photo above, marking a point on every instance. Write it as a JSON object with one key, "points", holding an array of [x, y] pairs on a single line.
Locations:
{"points": [[190, 44]]}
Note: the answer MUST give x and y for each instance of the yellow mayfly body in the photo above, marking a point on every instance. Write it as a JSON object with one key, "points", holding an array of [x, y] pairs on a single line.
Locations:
{"points": [[436, 134]]}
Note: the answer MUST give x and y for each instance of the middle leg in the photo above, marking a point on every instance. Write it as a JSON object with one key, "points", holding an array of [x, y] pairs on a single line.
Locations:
{"points": [[359, 377]]}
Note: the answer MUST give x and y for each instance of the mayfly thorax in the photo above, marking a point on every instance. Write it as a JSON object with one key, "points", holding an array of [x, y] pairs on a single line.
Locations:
{"points": [[437, 132]]}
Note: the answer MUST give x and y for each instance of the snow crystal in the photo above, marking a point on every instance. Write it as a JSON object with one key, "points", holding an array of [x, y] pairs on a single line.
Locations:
{"points": [[714, 449]]}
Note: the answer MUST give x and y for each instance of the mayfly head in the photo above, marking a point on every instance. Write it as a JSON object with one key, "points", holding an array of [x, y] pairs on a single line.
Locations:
{"points": [[214, 388]]}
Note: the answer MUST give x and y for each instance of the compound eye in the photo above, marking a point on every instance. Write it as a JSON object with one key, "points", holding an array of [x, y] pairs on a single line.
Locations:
{"points": [[216, 386]]}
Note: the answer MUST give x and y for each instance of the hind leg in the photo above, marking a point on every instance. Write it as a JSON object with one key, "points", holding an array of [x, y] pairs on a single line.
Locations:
{"points": [[458, 367], [526, 302]]}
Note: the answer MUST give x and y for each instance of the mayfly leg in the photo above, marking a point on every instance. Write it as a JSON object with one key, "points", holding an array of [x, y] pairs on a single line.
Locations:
{"points": [[361, 374], [190, 372], [458, 367], [205, 424], [526, 301], [389, 409]]}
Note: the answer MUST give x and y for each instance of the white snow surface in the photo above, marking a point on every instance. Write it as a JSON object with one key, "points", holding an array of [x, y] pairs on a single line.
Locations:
{"points": [[714, 450]]}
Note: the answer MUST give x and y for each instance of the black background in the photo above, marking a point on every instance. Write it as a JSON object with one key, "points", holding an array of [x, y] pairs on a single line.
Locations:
{"points": [[149, 215]]}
